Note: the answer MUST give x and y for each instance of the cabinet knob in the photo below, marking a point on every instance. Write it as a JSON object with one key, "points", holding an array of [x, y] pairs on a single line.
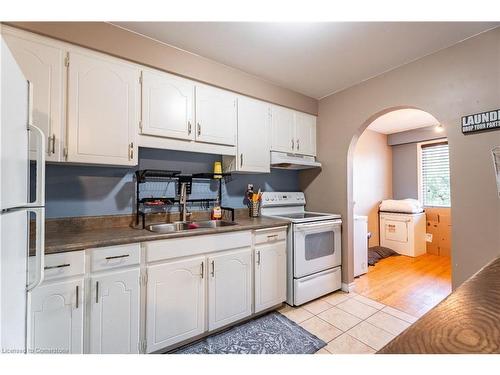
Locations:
{"points": [[118, 256], [131, 151], [189, 127], [58, 266], [199, 128], [77, 304], [52, 145]]}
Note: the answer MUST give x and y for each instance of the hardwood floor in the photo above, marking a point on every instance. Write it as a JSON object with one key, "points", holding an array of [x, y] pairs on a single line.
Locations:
{"points": [[412, 285]]}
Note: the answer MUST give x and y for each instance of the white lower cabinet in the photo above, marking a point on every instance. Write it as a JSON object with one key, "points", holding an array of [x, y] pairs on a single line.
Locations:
{"points": [[175, 307], [218, 281], [114, 312], [55, 324], [270, 275], [229, 287]]}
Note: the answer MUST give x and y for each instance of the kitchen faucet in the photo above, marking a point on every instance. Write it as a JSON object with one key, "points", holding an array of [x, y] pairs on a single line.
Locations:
{"points": [[182, 202]]}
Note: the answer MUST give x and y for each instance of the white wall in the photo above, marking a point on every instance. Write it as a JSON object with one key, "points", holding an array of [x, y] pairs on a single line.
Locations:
{"points": [[449, 84], [372, 178], [405, 171]]}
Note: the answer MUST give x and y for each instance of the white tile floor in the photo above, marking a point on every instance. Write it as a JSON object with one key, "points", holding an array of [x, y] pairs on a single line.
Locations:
{"points": [[349, 323]]}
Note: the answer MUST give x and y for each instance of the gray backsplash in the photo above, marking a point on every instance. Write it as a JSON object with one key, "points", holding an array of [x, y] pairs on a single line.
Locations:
{"points": [[73, 190]]}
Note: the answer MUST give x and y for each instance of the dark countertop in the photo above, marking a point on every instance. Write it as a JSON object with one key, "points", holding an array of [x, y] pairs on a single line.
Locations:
{"points": [[73, 238], [467, 321]]}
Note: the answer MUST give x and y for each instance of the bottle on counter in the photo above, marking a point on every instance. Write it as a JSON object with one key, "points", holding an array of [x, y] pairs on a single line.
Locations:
{"points": [[216, 211]]}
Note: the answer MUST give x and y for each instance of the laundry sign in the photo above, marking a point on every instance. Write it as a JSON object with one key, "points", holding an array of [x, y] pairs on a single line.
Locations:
{"points": [[481, 121]]}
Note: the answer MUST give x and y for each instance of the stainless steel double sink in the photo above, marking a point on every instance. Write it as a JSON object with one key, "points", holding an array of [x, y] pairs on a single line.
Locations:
{"points": [[180, 226]]}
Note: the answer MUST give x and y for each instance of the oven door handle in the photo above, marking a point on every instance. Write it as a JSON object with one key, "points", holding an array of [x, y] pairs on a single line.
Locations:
{"points": [[333, 225]]}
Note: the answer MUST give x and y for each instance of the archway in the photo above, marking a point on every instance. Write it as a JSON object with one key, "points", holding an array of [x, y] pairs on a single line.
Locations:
{"points": [[387, 113]]}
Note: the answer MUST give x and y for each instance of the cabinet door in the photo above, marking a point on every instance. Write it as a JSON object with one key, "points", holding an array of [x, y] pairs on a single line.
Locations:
{"points": [[175, 308], [254, 130], [283, 129], [305, 134], [270, 275], [167, 106], [43, 65], [229, 287], [102, 110], [56, 318], [114, 312], [216, 116]]}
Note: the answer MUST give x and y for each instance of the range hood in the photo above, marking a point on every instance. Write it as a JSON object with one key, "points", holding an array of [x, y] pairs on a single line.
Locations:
{"points": [[283, 160]]}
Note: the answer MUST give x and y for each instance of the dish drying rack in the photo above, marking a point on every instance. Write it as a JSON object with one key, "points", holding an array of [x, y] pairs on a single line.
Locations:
{"points": [[161, 204]]}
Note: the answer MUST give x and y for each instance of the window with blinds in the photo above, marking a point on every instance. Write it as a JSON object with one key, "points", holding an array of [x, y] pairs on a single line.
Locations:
{"points": [[435, 174]]}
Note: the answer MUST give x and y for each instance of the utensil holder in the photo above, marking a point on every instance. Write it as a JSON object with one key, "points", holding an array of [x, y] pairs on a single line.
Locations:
{"points": [[254, 209]]}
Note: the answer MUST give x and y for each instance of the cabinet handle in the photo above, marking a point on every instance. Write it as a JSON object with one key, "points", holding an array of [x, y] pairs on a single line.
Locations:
{"points": [[213, 268], [258, 257], [58, 266], [199, 128], [202, 270], [272, 237], [298, 144], [52, 144], [131, 151], [293, 145], [97, 292], [118, 256], [189, 127], [77, 296], [241, 160]]}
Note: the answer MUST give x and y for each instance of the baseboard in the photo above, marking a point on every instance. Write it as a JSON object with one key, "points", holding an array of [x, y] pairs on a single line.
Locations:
{"points": [[348, 288]]}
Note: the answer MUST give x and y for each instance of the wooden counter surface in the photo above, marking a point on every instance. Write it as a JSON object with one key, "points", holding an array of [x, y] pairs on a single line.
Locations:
{"points": [[467, 321]]}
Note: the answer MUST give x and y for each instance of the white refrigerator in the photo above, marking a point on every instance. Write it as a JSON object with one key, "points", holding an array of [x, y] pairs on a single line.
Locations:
{"points": [[16, 208]]}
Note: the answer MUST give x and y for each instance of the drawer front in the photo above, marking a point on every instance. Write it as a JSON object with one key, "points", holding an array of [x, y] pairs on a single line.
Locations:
{"points": [[106, 258], [189, 246], [311, 287], [61, 265], [270, 235]]}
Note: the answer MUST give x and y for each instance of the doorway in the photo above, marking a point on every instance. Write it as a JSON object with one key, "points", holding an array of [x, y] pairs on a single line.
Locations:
{"points": [[402, 155]]}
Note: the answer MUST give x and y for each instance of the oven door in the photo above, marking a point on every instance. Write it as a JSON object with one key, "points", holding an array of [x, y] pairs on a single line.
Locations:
{"points": [[316, 247]]}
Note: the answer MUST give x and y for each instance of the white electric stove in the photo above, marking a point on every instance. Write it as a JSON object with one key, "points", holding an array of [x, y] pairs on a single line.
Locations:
{"points": [[314, 246]]}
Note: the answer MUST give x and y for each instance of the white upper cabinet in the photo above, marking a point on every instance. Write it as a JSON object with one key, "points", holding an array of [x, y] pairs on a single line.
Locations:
{"points": [[167, 105], [216, 116], [56, 318], [229, 287], [283, 129], [305, 134], [175, 307], [293, 132], [114, 312], [43, 65], [254, 133], [89, 106], [102, 110]]}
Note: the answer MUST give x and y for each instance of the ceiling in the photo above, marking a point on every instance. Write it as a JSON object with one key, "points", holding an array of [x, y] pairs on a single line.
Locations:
{"points": [[315, 59], [401, 120]]}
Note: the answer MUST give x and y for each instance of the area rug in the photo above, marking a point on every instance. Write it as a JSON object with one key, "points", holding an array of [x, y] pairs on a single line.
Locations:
{"points": [[376, 253], [269, 334]]}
